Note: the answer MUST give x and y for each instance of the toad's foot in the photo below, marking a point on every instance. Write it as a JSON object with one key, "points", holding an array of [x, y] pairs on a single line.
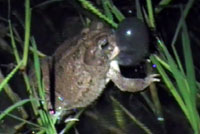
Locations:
{"points": [[131, 85], [152, 78]]}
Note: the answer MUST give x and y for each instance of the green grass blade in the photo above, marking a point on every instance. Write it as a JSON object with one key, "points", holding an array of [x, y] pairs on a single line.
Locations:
{"points": [[86, 4], [178, 60], [150, 13], [72, 123], [23, 120], [10, 75], [46, 119], [182, 92], [116, 12], [191, 80], [132, 117], [105, 4], [161, 5], [183, 17], [139, 10], [13, 107], [119, 115], [16, 54], [37, 69], [189, 61], [45, 3], [27, 32], [170, 85]]}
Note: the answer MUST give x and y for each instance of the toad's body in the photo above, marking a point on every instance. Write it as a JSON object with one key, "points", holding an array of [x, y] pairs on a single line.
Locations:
{"points": [[83, 66]]}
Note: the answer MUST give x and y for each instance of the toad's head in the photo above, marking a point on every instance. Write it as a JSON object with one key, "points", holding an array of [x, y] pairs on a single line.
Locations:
{"points": [[100, 42]]}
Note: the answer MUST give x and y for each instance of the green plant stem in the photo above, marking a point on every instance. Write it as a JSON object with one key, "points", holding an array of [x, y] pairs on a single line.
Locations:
{"points": [[150, 13], [27, 32], [11, 108], [17, 58], [10, 75], [162, 4], [146, 130], [183, 17], [89, 6]]}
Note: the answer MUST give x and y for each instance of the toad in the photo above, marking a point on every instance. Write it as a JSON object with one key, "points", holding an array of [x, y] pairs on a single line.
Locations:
{"points": [[81, 67]]}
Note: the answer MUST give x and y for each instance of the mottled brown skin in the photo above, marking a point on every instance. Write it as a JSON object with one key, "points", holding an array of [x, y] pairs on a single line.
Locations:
{"points": [[83, 68]]}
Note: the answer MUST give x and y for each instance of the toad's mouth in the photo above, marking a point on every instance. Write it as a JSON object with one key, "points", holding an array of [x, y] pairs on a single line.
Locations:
{"points": [[115, 52]]}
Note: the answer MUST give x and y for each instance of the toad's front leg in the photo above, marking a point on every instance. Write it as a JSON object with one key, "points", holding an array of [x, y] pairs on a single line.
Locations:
{"points": [[128, 84]]}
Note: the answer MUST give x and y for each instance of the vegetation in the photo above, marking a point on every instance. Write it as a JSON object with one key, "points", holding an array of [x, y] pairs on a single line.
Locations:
{"points": [[177, 74]]}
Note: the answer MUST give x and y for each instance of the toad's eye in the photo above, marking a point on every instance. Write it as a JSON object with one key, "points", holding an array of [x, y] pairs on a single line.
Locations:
{"points": [[103, 43]]}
